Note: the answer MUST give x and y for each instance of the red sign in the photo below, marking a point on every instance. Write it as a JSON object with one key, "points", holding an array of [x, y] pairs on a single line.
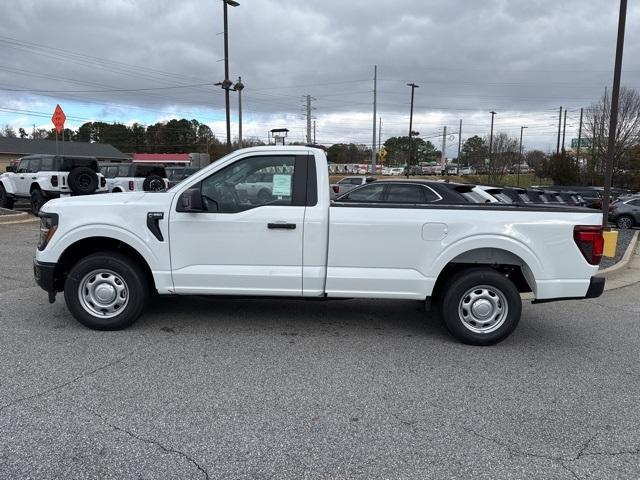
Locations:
{"points": [[58, 118]]}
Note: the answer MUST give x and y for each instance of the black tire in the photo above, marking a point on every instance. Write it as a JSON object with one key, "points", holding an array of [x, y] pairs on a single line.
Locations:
{"points": [[624, 222], [82, 181], [103, 271], [37, 201], [496, 306], [154, 183], [5, 200]]}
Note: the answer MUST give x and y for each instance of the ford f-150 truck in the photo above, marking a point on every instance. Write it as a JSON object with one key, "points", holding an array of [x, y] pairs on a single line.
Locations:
{"points": [[109, 253]]}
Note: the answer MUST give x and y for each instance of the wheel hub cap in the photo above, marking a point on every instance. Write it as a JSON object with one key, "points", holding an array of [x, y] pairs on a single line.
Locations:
{"points": [[483, 309], [103, 293]]}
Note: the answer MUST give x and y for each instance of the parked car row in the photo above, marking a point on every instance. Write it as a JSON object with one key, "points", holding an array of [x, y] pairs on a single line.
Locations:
{"points": [[624, 212], [39, 178]]}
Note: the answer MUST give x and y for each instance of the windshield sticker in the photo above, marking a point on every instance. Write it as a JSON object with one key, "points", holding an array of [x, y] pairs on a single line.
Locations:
{"points": [[281, 185]]}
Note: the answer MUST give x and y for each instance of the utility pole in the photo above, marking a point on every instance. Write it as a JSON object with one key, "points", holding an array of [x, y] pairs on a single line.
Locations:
{"points": [[373, 142], [579, 140], [314, 132], [564, 130], [559, 127], [380, 135], [443, 157], [613, 120], [413, 87], [238, 87], [226, 83], [308, 119], [520, 157], [459, 148], [491, 139]]}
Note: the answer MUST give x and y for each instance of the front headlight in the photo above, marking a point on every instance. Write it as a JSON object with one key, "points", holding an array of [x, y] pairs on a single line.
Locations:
{"points": [[48, 226]]}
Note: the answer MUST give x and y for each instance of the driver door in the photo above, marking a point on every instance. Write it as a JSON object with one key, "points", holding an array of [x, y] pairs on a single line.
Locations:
{"points": [[242, 245]]}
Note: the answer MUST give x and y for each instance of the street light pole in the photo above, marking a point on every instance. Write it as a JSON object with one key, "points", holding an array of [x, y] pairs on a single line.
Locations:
{"points": [[410, 162], [519, 158], [613, 122], [238, 87], [226, 83], [491, 141]]}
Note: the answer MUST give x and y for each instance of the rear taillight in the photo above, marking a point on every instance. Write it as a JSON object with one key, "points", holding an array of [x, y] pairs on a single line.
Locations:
{"points": [[336, 189], [54, 180], [131, 185], [590, 241]]}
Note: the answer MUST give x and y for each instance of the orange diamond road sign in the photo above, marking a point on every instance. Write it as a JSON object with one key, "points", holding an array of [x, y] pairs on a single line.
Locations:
{"points": [[58, 118]]}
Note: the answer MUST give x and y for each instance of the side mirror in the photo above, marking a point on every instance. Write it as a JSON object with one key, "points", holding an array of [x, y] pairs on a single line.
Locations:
{"points": [[191, 201], [10, 168]]}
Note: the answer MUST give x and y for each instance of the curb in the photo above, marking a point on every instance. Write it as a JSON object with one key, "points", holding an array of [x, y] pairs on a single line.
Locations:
{"points": [[22, 217], [626, 258]]}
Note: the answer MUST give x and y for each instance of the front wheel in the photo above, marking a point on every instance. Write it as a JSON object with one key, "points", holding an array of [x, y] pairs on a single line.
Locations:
{"points": [[106, 291], [481, 306], [37, 201], [5, 200]]}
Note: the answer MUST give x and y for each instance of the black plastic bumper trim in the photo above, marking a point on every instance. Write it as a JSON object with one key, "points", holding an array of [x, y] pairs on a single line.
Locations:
{"points": [[44, 274]]}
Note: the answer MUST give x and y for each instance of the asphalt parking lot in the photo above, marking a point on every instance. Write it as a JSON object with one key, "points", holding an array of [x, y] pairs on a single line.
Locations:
{"points": [[213, 388]]}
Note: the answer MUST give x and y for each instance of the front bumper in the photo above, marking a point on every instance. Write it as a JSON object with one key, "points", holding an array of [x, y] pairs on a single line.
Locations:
{"points": [[596, 287], [44, 274]]}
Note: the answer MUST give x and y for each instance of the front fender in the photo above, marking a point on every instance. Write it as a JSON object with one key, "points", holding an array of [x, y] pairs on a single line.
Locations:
{"points": [[7, 183], [59, 244]]}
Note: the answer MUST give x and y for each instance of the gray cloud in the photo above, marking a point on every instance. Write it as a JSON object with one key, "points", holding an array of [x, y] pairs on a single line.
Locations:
{"points": [[523, 59]]}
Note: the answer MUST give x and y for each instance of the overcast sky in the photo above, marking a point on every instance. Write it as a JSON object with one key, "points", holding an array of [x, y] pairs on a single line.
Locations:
{"points": [[522, 59]]}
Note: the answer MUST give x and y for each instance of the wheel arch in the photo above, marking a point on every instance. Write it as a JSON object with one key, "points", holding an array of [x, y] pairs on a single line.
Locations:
{"points": [[90, 245], [518, 264], [34, 186]]}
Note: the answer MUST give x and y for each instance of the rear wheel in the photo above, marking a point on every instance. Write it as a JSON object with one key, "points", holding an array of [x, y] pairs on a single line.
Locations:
{"points": [[106, 291], [37, 201], [624, 222], [481, 306], [5, 200]]}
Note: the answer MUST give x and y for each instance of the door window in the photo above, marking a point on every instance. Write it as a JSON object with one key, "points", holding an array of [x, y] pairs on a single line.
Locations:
{"points": [[34, 165], [47, 164], [405, 194], [123, 171], [24, 166], [368, 193], [251, 182]]}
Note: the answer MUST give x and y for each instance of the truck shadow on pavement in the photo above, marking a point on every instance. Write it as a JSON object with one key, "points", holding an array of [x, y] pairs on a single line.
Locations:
{"points": [[293, 317]]}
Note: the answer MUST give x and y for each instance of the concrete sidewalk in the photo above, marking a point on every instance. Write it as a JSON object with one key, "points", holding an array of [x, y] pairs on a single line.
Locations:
{"points": [[627, 271]]}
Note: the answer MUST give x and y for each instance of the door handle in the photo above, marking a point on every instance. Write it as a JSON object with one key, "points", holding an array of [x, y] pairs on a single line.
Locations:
{"points": [[285, 226]]}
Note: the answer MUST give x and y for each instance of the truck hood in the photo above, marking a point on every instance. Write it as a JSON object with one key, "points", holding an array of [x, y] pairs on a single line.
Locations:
{"points": [[98, 202]]}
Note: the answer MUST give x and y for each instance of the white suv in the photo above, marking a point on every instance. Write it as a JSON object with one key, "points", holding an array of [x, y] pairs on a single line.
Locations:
{"points": [[134, 177], [40, 178]]}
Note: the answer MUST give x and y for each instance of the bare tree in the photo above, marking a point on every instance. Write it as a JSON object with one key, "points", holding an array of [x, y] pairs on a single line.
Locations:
{"points": [[627, 135], [504, 154], [8, 131]]}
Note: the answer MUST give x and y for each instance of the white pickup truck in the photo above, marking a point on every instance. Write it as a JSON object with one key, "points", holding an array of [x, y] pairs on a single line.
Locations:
{"points": [[109, 253]]}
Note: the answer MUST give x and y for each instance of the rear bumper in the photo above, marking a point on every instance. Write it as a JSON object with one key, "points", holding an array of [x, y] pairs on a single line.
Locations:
{"points": [[596, 287]]}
